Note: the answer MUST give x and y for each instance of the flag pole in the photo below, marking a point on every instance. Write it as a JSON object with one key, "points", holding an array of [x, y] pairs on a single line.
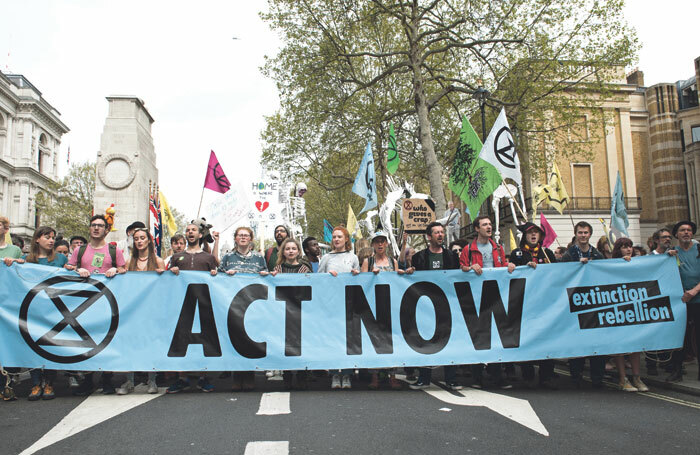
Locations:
{"points": [[200, 203]]}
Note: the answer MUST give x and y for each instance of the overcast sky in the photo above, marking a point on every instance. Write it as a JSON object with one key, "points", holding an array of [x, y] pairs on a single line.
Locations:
{"points": [[202, 87]]}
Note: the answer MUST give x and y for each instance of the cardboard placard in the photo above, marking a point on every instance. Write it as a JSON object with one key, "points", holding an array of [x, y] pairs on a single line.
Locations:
{"points": [[417, 214]]}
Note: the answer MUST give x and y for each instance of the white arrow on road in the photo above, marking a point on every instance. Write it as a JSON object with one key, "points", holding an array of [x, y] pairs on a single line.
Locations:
{"points": [[93, 410], [514, 409]]}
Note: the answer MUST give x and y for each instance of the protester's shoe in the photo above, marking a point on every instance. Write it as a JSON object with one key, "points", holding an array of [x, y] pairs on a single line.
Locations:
{"points": [[225, 374], [374, 383], [453, 385], [84, 389], [419, 385], [346, 382], [627, 387], [152, 387], [395, 384], [35, 394], [108, 388], [411, 378], [652, 370], [504, 384], [548, 384], [178, 386], [335, 381], [126, 388], [204, 385], [637, 382], [675, 376], [48, 392], [72, 382]]}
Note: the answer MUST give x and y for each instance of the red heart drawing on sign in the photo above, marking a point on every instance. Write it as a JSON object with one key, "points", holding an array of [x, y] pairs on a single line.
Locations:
{"points": [[261, 206]]}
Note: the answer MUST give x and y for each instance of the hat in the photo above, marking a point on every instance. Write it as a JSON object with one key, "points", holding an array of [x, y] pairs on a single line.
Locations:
{"points": [[678, 225], [135, 225], [379, 234], [527, 226]]}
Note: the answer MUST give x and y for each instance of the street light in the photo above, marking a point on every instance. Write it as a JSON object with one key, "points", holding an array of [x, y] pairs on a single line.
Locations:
{"points": [[481, 94]]}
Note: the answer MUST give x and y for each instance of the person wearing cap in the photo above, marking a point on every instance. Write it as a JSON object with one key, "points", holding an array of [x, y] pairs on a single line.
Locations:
{"points": [[532, 253], [381, 262], [688, 253], [127, 244]]}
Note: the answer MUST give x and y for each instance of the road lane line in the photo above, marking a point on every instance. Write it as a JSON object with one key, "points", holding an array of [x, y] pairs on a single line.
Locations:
{"points": [[93, 410], [515, 409], [274, 403], [658, 396], [267, 448]]}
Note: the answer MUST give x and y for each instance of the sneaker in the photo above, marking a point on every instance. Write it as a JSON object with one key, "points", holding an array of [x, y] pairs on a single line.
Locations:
{"points": [[204, 385], [453, 385], [35, 393], [411, 378], [72, 382], [346, 382], [627, 387], [335, 381], [48, 392], [125, 388], [108, 388], [675, 376], [637, 382], [84, 389], [419, 385], [152, 387], [503, 384], [179, 386]]}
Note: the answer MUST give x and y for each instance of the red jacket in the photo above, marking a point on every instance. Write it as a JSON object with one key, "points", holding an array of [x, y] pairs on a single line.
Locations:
{"points": [[471, 255]]}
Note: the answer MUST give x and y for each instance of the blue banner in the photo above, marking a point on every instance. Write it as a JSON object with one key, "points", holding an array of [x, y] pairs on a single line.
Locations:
{"points": [[144, 321]]}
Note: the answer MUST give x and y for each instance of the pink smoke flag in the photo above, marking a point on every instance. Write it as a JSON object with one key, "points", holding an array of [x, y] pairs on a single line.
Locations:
{"points": [[549, 234], [216, 179]]}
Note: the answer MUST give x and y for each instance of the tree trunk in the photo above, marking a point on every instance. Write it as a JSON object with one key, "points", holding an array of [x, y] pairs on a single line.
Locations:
{"points": [[424, 129]]}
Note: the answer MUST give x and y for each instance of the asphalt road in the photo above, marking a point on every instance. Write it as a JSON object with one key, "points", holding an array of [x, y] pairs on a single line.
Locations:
{"points": [[360, 421]]}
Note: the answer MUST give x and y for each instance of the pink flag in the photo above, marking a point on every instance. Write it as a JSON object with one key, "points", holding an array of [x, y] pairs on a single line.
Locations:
{"points": [[549, 234], [216, 179]]}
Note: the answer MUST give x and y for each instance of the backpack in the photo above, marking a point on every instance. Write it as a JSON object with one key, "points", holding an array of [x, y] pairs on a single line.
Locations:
{"points": [[112, 247]]}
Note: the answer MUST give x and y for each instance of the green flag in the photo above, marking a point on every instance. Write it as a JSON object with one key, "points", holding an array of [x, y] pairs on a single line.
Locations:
{"points": [[472, 179], [392, 153]]}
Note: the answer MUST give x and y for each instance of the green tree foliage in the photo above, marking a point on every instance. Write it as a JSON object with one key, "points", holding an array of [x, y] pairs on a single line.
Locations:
{"points": [[349, 67], [66, 205]]}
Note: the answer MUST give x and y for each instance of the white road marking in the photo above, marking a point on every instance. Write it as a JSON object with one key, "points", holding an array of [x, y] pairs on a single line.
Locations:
{"points": [[514, 409], [274, 403], [267, 448], [93, 410]]}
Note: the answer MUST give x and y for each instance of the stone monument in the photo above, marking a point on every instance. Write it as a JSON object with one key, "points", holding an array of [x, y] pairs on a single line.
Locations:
{"points": [[126, 164]]}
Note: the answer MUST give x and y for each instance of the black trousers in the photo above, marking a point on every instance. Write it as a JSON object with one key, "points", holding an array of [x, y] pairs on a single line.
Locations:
{"points": [[680, 354]]}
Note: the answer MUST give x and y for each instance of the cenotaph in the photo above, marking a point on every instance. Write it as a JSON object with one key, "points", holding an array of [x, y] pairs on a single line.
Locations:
{"points": [[126, 164]]}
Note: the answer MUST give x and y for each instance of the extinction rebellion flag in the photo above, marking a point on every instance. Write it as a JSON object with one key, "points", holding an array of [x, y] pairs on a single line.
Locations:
{"points": [[472, 178]]}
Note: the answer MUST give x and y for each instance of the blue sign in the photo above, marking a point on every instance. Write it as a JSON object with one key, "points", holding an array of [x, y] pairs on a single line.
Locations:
{"points": [[145, 321]]}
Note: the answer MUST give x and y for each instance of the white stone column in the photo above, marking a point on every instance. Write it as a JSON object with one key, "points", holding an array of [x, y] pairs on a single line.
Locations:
{"points": [[626, 134], [611, 152]]}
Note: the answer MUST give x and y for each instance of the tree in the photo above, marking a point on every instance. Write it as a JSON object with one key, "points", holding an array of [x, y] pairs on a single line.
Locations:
{"points": [[348, 67], [67, 204]]}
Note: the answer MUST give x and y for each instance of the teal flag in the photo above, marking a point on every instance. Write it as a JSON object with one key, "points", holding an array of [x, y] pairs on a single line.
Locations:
{"points": [[327, 231], [618, 212], [365, 183], [392, 153], [472, 179]]}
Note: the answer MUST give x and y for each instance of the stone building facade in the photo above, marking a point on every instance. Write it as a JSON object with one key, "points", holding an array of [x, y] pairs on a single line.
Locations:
{"points": [[651, 135], [30, 140]]}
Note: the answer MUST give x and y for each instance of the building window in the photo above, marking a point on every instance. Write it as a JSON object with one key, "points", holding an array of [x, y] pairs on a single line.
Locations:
{"points": [[582, 185], [695, 133]]}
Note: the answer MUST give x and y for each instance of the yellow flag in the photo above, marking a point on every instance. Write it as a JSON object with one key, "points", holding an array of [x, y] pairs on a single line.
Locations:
{"points": [[558, 197], [167, 215], [352, 224], [513, 245], [8, 238]]}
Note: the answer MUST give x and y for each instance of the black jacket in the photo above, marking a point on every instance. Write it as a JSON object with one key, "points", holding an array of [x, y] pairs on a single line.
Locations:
{"points": [[449, 260], [520, 256], [571, 256]]}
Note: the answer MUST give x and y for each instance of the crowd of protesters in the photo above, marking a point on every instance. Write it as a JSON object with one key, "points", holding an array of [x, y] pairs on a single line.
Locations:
{"points": [[191, 252]]}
